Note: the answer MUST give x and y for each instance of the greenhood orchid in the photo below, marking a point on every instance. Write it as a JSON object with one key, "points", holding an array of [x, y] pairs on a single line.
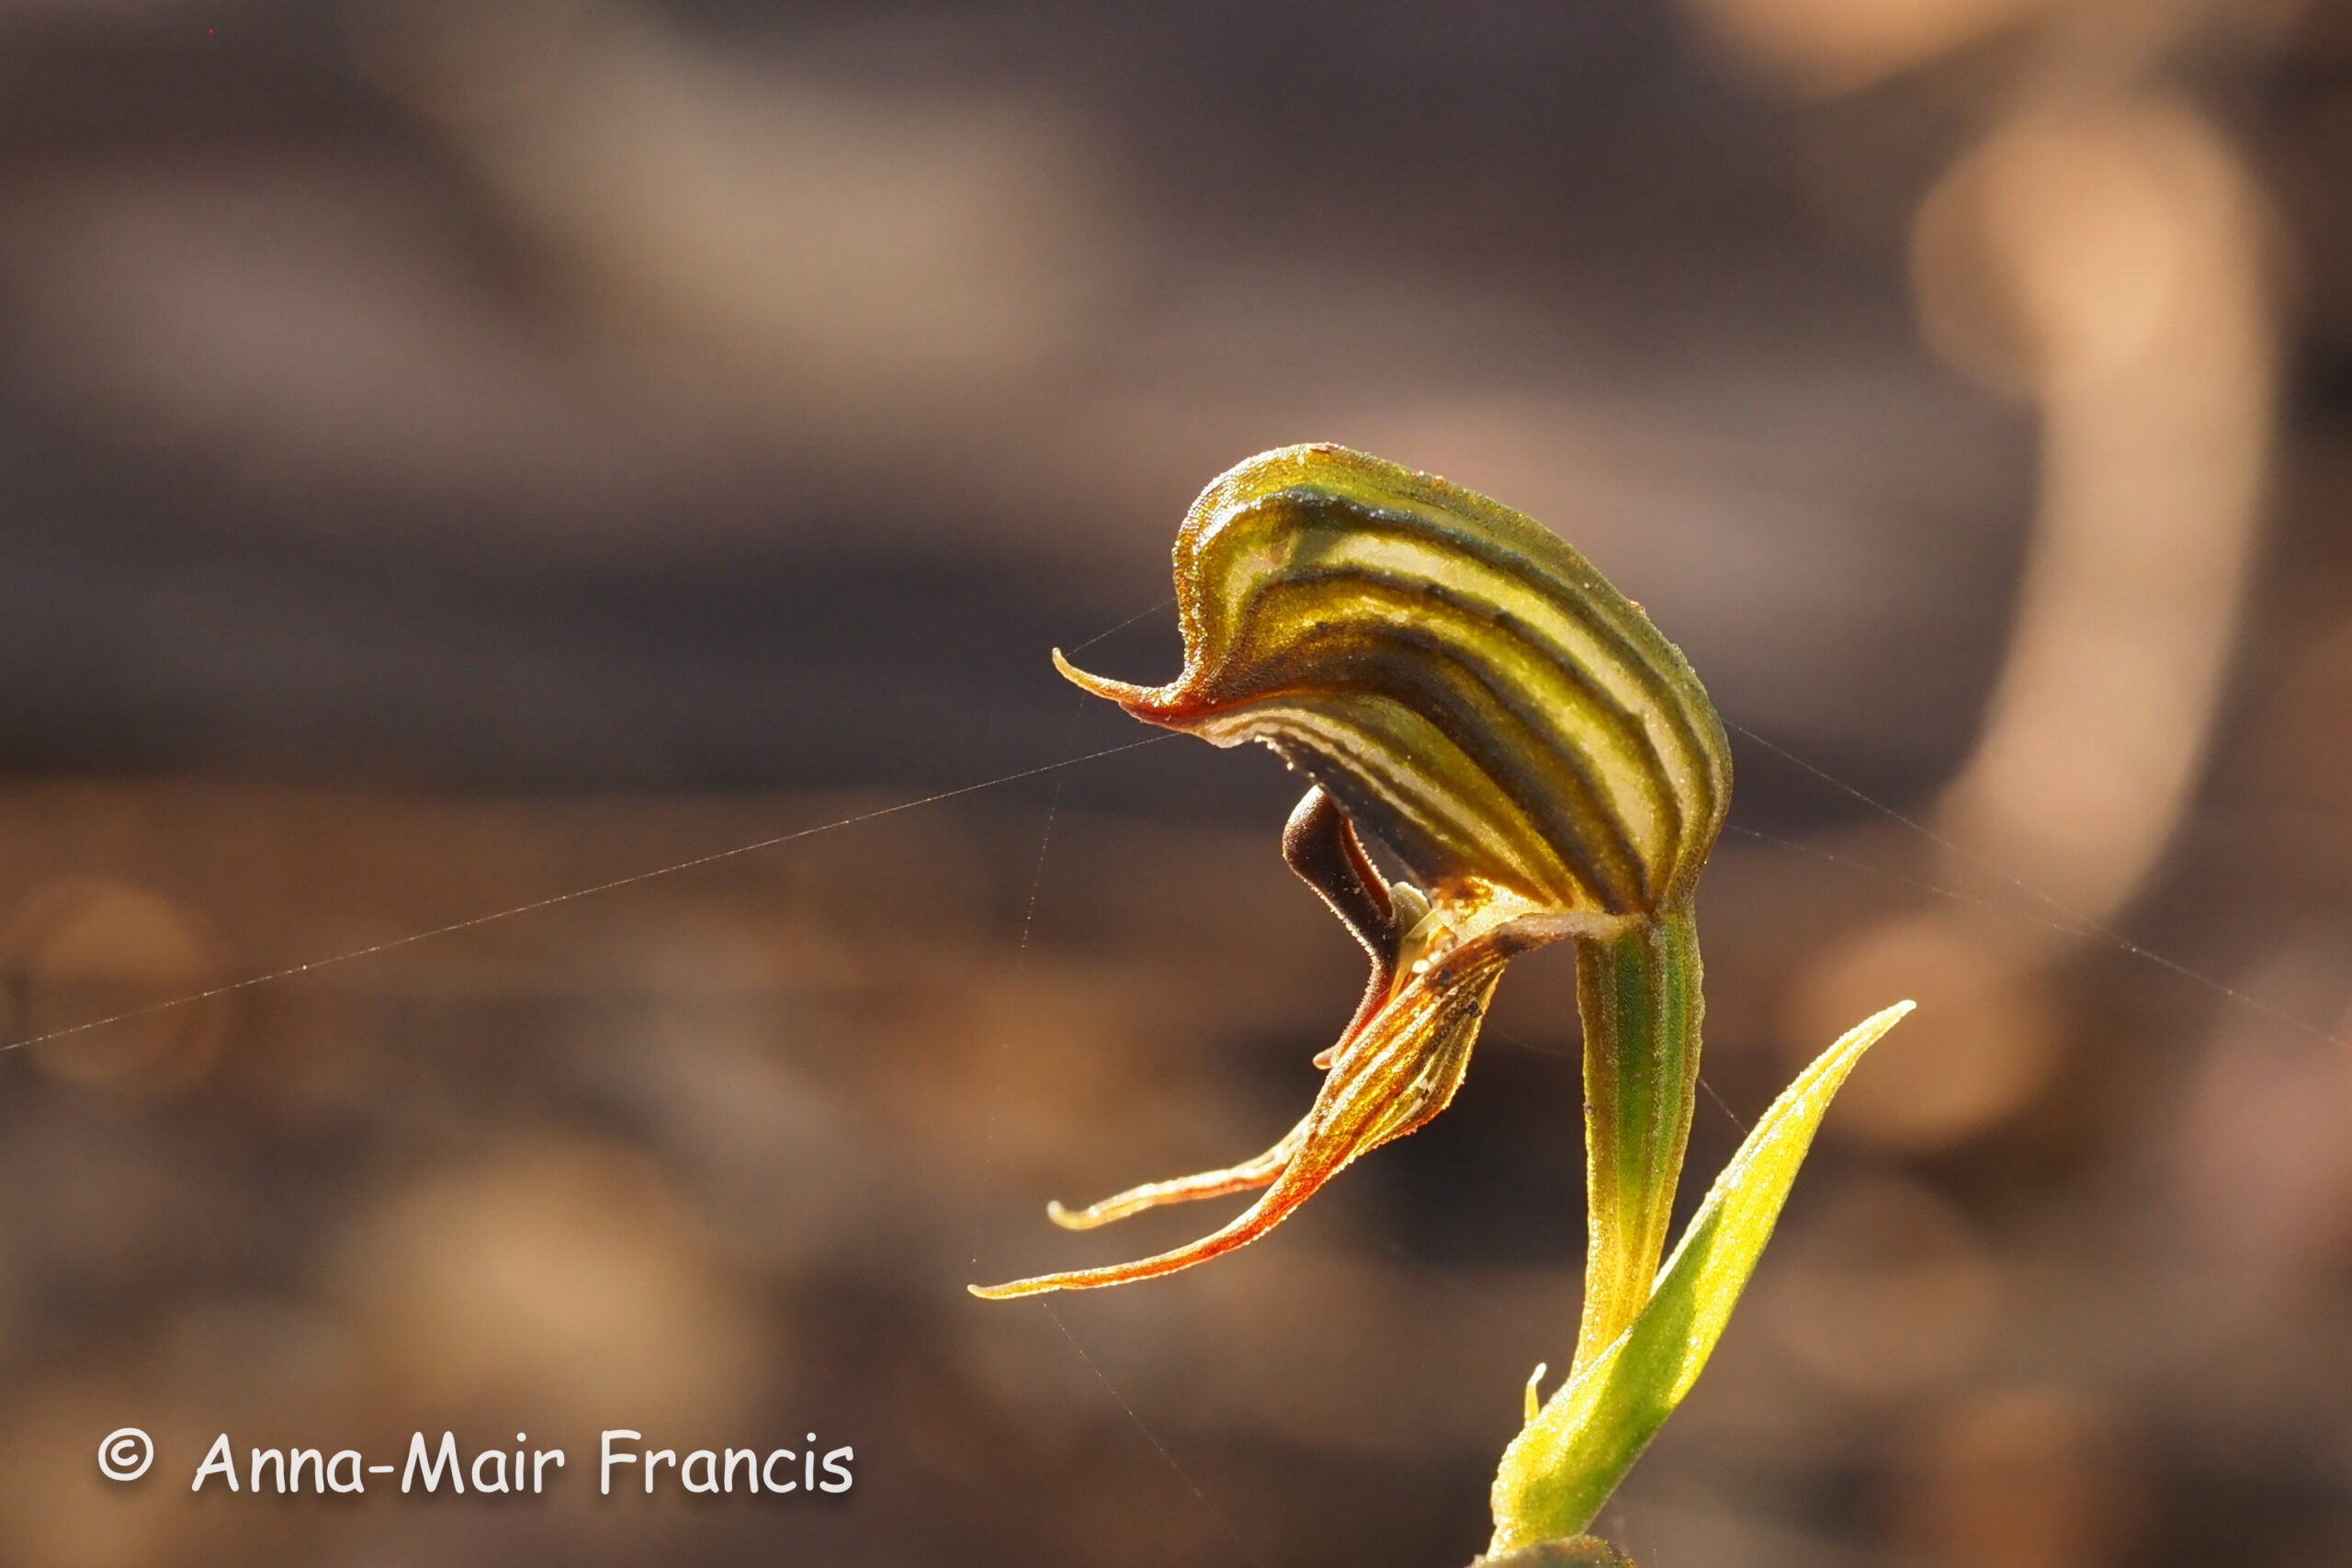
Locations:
{"points": [[1461, 685], [1459, 680]]}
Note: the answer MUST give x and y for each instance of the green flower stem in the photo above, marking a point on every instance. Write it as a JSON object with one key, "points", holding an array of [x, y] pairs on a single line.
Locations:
{"points": [[1639, 995]]}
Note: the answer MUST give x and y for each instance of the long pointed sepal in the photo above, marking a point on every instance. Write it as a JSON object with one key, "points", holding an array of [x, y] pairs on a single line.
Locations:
{"points": [[1395, 1074]]}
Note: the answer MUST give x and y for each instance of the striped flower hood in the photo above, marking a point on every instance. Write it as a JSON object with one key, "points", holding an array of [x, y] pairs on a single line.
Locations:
{"points": [[1462, 682]]}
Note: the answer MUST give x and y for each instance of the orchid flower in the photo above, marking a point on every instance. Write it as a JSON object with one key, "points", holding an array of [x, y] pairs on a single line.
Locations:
{"points": [[1460, 683], [1456, 679]]}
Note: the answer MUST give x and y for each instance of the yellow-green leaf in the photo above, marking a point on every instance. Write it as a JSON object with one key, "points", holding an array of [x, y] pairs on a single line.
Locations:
{"points": [[1563, 1465], [1584, 1551]]}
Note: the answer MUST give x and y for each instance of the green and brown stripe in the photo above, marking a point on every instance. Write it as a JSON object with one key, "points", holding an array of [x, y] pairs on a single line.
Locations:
{"points": [[1466, 684]]}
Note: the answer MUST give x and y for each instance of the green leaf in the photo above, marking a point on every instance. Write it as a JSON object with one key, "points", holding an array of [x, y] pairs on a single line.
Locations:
{"points": [[1564, 1464], [1584, 1551]]}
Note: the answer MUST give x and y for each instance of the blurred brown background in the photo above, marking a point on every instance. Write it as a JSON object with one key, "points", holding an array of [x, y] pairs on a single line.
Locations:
{"points": [[454, 453]]}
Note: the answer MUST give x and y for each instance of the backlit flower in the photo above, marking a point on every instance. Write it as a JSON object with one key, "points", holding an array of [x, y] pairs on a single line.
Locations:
{"points": [[1461, 685]]}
